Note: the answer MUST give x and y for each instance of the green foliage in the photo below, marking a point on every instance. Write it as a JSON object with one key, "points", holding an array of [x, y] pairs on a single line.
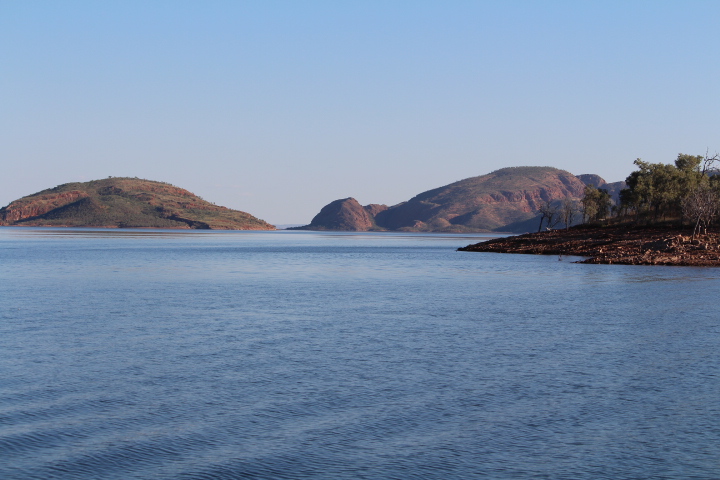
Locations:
{"points": [[657, 191], [688, 163], [595, 204]]}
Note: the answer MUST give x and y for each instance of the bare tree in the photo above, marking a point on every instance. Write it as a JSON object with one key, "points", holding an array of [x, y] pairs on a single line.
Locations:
{"points": [[708, 162], [548, 212], [567, 212], [701, 205]]}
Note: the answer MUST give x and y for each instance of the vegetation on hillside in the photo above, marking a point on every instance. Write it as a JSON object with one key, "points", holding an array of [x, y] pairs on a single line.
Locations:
{"points": [[503, 200], [124, 202]]}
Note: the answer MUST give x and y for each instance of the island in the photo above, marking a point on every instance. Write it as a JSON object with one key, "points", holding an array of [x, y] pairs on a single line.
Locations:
{"points": [[122, 202]]}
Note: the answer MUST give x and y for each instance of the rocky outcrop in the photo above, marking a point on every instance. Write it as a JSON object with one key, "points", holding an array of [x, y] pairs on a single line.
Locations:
{"points": [[598, 182], [345, 214], [591, 179], [37, 205], [373, 209], [124, 202]]}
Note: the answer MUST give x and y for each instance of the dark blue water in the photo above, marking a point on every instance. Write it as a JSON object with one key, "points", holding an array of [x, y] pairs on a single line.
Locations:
{"points": [[289, 355]]}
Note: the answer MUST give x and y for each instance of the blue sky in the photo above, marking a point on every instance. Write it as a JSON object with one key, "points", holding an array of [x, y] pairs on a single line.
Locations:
{"points": [[279, 107]]}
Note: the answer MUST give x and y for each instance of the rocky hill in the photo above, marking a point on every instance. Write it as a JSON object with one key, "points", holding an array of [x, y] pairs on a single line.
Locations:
{"points": [[505, 201], [124, 202], [346, 214], [598, 182]]}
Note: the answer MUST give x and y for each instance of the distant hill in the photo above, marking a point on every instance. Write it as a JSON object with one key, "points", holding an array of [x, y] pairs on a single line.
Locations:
{"points": [[503, 201], [598, 182], [124, 202], [345, 214]]}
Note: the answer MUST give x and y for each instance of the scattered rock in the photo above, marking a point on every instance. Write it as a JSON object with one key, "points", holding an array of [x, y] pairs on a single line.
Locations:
{"points": [[613, 245]]}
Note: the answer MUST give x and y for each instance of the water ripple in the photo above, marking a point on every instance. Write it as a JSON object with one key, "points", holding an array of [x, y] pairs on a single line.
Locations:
{"points": [[298, 356]]}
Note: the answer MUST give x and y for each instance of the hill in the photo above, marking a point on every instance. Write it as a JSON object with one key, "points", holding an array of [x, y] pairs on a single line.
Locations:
{"points": [[124, 202], [504, 201], [598, 182], [345, 214]]}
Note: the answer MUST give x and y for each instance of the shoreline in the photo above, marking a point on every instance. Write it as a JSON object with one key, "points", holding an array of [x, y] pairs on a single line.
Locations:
{"points": [[624, 245]]}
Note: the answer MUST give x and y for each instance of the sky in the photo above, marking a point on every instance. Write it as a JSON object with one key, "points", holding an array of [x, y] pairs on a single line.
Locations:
{"points": [[278, 107]]}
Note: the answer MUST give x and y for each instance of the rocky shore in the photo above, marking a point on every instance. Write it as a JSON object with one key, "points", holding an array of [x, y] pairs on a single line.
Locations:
{"points": [[614, 244]]}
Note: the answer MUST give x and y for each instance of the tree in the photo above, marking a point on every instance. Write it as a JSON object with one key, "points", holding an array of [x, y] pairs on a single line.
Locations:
{"points": [[708, 162], [701, 205], [547, 212], [685, 162], [657, 190], [595, 204], [567, 212], [654, 187]]}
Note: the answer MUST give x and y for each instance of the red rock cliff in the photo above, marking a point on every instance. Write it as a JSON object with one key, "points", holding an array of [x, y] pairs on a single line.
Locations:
{"points": [[29, 207]]}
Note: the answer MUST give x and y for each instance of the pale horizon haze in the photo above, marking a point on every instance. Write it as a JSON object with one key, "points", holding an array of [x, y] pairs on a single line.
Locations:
{"points": [[277, 108]]}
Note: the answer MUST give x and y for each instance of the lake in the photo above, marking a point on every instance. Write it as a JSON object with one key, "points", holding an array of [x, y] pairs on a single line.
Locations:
{"points": [[151, 354]]}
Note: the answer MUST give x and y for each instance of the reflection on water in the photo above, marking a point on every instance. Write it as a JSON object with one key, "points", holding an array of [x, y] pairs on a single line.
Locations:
{"points": [[136, 354], [34, 232]]}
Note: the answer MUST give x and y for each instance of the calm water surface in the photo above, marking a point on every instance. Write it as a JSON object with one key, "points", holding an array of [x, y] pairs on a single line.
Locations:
{"points": [[139, 354]]}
